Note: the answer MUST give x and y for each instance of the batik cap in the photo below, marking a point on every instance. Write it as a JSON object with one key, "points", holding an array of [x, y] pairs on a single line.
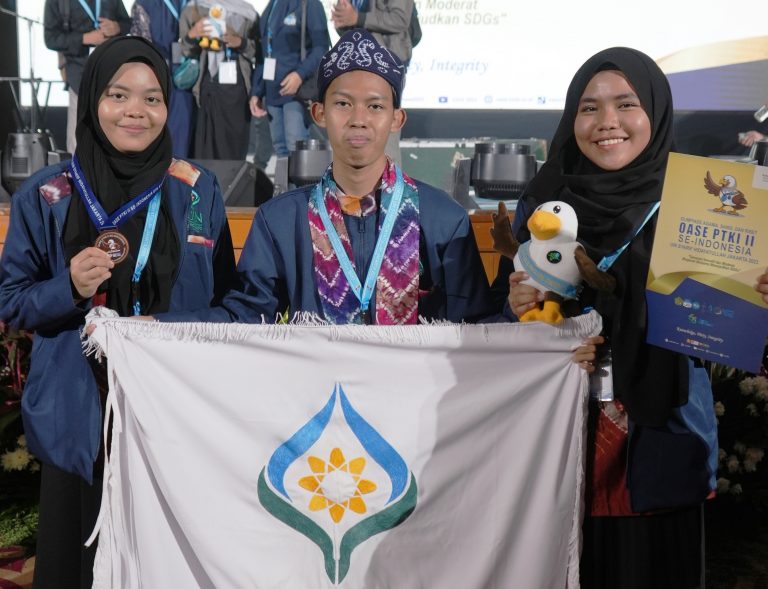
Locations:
{"points": [[359, 50]]}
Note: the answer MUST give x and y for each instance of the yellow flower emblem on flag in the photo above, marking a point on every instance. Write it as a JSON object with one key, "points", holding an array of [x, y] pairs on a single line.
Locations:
{"points": [[337, 484]]}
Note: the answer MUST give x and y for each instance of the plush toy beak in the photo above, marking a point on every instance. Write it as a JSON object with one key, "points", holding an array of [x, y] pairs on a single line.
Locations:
{"points": [[544, 225]]}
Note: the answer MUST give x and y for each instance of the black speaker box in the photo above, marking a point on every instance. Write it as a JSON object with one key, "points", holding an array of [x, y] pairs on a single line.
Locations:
{"points": [[243, 184]]}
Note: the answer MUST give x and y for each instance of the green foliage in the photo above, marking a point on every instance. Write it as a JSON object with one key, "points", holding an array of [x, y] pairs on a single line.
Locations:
{"points": [[18, 525], [19, 471], [15, 348]]}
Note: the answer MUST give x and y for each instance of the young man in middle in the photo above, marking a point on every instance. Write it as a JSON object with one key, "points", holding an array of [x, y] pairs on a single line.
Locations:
{"points": [[367, 244]]}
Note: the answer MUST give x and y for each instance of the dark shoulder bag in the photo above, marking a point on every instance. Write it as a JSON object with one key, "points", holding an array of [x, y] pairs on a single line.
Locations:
{"points": [[308, 90]]}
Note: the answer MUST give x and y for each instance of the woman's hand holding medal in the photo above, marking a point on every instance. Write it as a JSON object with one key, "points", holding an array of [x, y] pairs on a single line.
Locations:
{"points": [[89, 269]]}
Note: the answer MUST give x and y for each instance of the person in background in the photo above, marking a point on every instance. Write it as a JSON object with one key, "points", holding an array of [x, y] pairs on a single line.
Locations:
{"points": [[224, 85], [74, 28], [389, 21], [260, 149], [158, 21], [652, 437], [281, 73], [75, 242], [748, 138]]}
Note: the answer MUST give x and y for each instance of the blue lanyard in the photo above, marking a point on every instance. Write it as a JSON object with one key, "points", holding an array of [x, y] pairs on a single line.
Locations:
{"points": [[270, 22], [96, 212], [608, 261], [544, 278], [363, 293], [146, 243], [172, 9], [94, 17]]}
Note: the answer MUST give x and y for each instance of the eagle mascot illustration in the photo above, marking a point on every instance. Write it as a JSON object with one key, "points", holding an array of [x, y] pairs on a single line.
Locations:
{"points": [[731, 198]]}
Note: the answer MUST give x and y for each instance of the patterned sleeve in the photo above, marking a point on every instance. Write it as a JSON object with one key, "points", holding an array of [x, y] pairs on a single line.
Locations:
{"points": [[140, 22]]}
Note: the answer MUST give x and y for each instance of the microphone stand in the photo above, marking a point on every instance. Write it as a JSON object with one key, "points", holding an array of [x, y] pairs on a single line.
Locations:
{"points": [[33, 82], [27, 150]]}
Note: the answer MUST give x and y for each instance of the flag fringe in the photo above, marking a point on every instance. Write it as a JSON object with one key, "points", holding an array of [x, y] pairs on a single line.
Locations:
{"points": [[581, 326]]}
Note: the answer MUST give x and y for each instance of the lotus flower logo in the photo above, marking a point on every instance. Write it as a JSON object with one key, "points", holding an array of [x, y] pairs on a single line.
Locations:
{"points": [[337, 502]]}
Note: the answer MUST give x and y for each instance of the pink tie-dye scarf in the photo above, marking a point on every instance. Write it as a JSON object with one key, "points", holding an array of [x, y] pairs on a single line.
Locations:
{"points": [[397, 285]]}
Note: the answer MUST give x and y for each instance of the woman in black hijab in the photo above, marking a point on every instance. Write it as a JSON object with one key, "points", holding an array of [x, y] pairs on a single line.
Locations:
{"points": [[607, 160], [611, 206], [117, 176], [124, 226]]}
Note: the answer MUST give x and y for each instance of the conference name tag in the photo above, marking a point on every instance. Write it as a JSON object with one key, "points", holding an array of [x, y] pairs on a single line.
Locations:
{"points": [[228, 72], [270, 65], [176, 55], [601, 380]]}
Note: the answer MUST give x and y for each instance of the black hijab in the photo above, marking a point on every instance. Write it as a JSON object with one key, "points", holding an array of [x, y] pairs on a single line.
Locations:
{"points": [[611, 206], [117, 177]]}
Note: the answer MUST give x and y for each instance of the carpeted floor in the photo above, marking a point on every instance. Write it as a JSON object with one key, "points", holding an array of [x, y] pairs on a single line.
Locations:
{"points": [[736, 544], [17, 574]]}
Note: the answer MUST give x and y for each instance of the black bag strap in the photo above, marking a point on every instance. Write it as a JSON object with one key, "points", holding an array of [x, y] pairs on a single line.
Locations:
{"points": [[64, 13]]}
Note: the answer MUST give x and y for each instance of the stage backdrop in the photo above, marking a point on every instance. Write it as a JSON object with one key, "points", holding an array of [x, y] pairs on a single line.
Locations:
{"points": [[315, 457], [502, 55]]}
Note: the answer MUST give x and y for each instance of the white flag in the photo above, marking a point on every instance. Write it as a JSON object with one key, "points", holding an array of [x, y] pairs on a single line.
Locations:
{"points": [[343, 456]]}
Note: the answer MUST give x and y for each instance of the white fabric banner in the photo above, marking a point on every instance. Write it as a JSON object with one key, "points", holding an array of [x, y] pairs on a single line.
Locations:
{"points": [[358, 457]]}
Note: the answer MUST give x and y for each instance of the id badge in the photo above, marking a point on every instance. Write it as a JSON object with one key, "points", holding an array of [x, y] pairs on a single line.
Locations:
{"points": [[270, 65], [601, 380], [228, 72], [176, 53]]}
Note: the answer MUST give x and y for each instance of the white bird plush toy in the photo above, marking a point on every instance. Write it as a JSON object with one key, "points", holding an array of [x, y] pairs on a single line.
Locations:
{"points": [[215, 27], [554, 260]]}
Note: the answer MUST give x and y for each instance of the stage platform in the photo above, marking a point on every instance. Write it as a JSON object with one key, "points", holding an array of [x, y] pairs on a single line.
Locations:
{"points": [[240, 222]]}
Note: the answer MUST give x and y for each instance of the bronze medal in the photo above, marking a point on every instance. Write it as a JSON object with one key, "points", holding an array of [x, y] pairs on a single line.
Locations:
{"points": [[114, 243]]}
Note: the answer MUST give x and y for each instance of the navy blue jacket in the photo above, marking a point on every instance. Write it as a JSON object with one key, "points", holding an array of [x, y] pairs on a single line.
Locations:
{"points": [[60, 405], [277, 265]]}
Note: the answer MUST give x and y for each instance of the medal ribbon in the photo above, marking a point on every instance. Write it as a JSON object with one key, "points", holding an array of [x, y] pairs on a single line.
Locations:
{"points": [[362, 292], [96, 212]]}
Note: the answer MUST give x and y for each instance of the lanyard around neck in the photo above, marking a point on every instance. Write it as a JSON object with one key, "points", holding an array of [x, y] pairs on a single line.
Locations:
{"points": [[96, 212], [608, 260], [362, 292], [173, 10], [94, 17], [270, 27], [146, 243]]}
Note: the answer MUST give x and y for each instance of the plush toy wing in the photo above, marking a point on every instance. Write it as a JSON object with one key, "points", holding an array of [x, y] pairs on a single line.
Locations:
{"points": [[504, 241], [591, 274], [711, 186]]}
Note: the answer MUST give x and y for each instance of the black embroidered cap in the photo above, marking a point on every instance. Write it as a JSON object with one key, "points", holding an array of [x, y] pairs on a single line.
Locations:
{"points": [[358, 50]]}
